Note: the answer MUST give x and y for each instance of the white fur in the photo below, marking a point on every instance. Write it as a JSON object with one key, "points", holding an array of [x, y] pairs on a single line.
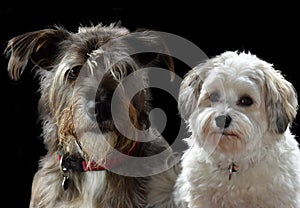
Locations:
{"points": [[258, 139], [91, 189]]}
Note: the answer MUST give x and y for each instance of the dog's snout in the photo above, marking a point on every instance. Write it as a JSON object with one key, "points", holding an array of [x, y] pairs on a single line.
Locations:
{"points": [[223, 121]]}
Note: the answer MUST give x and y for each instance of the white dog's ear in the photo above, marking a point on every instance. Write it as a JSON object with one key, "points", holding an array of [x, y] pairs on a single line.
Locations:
{"points": [[281, 101], [189, 91], [38, 46]]}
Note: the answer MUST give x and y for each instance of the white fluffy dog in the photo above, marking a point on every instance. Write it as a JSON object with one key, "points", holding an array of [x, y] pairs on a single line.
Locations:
{"points": [[241, 152]]}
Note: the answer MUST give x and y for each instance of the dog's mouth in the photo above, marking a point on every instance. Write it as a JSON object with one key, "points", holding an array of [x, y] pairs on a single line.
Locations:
{"points": [[226, 141], [225, 134], [228, 133]]}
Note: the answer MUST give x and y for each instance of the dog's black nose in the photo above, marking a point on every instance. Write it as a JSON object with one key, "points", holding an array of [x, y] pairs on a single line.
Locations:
{"points": [[99, 111], [223, 121], [103, 111]]}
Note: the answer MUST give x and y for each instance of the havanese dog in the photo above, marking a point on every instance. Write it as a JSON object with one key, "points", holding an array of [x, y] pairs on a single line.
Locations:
{"points": [[241, 152], [91, 119]]}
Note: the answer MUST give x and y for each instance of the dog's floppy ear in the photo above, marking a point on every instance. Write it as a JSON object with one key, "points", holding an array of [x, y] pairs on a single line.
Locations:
{"points": [[189, 91], [281, 101], [153, 51], [37, 46], [149, 50]]}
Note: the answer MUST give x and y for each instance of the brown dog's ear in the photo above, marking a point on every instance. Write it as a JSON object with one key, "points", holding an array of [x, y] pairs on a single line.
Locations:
{"points": [[149, 49], [281, 101], [39, 46], [189, 91]]}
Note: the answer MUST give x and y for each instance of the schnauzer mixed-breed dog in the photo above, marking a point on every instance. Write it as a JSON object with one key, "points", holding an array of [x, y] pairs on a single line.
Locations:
{"points": [[79, 73], [241, 152]]}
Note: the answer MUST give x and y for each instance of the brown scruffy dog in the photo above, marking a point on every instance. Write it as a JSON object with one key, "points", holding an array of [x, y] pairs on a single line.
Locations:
{"points": [[91, 151]]}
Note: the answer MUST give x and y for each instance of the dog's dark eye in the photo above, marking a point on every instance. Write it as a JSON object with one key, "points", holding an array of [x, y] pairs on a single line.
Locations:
{"points": [[214, 97], [74, 72], [245, 101]]}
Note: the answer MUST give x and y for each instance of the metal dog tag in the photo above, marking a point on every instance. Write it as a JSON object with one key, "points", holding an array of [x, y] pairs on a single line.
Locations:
{"points": [[233, 168]]}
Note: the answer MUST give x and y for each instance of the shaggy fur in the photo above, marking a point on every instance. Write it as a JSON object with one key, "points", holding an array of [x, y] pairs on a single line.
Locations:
{"points": [[75, 112], [241, 152]]}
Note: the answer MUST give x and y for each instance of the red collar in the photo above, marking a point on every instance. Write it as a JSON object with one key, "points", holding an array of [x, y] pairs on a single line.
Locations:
{"points": [[76, 162]]}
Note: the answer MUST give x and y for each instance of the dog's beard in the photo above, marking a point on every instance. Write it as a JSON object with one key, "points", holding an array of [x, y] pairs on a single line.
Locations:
{"points": [[241, 137], [97, 146]]}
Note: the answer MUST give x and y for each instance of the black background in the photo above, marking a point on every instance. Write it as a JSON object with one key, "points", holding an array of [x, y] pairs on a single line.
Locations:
{"points": [[271, 34]]}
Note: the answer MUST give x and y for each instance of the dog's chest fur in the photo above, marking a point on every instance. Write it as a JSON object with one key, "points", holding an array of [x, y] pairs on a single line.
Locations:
{"points": [[91, 189], [262, 184], [113, 191]]}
